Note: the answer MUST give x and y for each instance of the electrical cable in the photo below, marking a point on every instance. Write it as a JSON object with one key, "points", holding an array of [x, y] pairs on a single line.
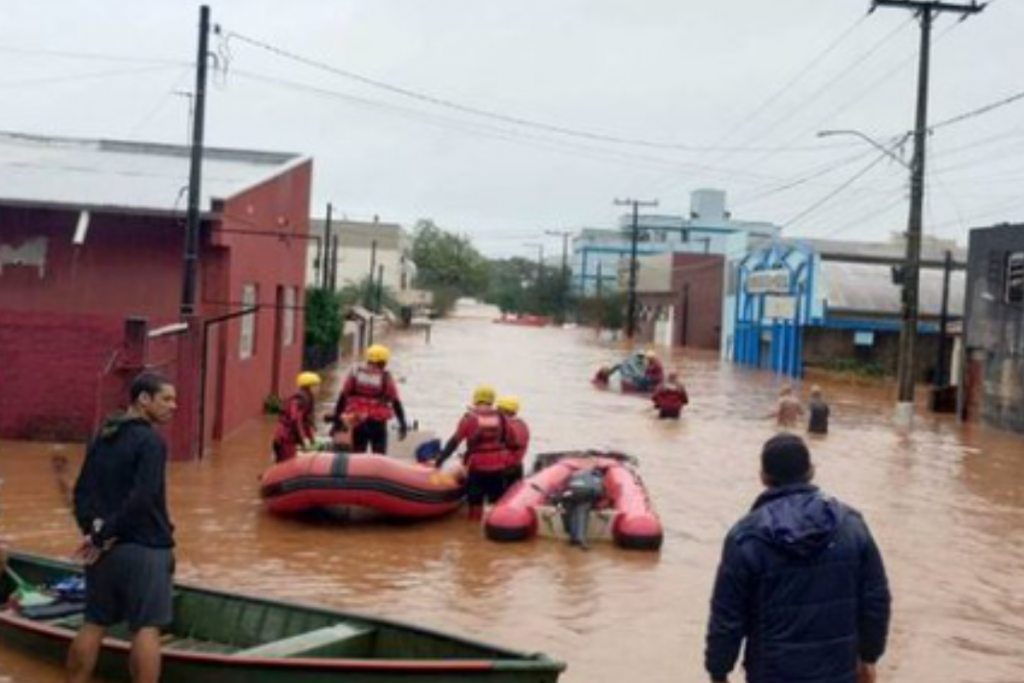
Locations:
{"points": [[850, 181], [52, 80], [475, 111]]}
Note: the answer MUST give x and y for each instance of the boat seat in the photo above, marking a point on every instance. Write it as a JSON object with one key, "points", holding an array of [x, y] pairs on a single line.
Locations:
{"points": [[340, 640]]}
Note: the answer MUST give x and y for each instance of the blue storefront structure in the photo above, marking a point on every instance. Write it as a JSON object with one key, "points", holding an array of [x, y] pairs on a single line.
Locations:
{"points": [[774, 302], [819, 302]]}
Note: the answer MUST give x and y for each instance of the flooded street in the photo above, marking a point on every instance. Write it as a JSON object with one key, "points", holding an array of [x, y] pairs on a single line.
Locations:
{"points": [[946, 505]]}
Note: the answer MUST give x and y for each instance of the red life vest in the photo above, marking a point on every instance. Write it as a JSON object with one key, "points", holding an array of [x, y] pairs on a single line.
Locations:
{"points": [[369, 393], [486, 450], [518, 441], [670, 398]]}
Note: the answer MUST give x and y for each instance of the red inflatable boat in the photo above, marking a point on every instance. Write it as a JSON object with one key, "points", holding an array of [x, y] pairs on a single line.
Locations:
{"points": [[616, 496], [375, 482]]}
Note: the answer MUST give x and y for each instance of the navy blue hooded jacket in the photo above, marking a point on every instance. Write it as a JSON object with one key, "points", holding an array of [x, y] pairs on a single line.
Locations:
{"points": [[802, 582]]}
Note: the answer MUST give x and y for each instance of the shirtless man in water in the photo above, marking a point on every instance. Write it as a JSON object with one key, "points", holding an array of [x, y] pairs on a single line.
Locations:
{"points": [[789, 411]]}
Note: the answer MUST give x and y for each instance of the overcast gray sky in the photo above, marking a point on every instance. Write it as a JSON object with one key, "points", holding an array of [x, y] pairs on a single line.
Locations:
{"points": [[648, 99]]}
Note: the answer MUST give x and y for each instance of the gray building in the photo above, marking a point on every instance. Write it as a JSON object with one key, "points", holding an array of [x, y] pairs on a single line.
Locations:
{"points": [[995, 327]]}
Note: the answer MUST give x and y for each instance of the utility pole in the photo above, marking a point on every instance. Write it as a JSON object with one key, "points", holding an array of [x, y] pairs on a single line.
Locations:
{"points": [[634, 238], [329, 251], [195, 176], [367, 298], [926, 10], [941, 376], [380, 288], [540, 261], [563, 296]]}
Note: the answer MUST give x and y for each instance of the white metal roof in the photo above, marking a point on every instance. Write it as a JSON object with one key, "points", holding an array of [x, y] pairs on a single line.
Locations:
{"points": [[869, 288], [124, 176]]}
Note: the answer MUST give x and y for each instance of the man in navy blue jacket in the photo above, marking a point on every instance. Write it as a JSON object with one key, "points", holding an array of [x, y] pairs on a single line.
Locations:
{"points": [[801, 583]]}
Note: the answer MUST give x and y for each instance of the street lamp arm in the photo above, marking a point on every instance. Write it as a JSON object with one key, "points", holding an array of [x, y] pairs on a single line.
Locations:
{"points": [[871, 141]]}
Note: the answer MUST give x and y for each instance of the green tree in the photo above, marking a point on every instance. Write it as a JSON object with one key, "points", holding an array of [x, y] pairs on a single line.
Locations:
{"points": [[447, 264], [324, 310]]}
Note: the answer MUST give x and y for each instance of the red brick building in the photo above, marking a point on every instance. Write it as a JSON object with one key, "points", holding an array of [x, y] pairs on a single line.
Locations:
{"points": [[680, 299], [91, 276]]}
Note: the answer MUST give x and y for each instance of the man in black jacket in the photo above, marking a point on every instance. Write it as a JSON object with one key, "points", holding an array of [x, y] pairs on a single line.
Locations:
{"points": [[121, 508], [801, 581]]}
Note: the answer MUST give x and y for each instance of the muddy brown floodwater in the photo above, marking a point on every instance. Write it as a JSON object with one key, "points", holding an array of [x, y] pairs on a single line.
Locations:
{"points": [[946, 503]]}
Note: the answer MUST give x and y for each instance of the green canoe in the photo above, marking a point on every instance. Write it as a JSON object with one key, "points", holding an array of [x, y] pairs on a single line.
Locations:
{"points": [[229, 638]]}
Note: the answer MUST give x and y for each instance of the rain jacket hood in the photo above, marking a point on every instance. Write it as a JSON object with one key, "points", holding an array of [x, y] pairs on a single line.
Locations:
{"points": [[798, 519]]}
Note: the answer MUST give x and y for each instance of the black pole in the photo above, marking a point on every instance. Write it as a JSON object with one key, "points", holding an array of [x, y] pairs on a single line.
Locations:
{"points": [[686, 315], [912, 270], [328, 249], [380, 287], [565, 277], [941, 375], [631, 305], [373, 266], [335, 246], [195, 179], [600, 280]]}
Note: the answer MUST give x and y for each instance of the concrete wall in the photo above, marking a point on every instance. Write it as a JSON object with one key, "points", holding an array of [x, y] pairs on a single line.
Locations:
{"points": [[824, 345], [995, 327]]}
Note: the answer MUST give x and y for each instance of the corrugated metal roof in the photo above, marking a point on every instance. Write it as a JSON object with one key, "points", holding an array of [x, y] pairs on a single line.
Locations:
{"points": [[124, 176], [931, 249], [869, 288]]}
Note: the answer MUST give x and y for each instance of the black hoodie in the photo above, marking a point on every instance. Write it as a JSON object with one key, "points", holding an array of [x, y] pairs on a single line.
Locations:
{"points": [[802, 582], [123, 483]]}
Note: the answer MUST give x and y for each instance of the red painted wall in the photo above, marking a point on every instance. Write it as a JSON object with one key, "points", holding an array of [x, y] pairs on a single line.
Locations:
{"points": [[128, 265], [279, 212], [49, 370], [65, 319]]}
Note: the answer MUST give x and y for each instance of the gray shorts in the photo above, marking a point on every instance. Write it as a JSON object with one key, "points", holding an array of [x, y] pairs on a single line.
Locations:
{"points": [[130, 583]]}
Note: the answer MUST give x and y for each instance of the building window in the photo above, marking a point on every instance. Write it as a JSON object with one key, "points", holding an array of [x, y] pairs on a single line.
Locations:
{"points": [[1015, 278], [247, 343], [288, 332]]}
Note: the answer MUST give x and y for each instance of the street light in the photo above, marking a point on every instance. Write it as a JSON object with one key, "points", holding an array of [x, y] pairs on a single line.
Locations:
{"points": [[905, 363], [887, 151]]}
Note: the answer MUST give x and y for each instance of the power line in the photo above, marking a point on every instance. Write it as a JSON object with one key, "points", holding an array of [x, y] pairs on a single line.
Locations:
{"points": [[814, 62], [51, 80], [850, 181], [489, 131], [497, 116], [98, 56], [1016, 97]]}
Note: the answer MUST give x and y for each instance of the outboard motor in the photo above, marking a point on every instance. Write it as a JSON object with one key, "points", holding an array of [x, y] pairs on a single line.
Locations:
{"points": [[582, 492]]}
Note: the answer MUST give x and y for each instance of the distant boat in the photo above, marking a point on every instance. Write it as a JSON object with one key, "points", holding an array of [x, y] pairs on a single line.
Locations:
{"points": [[524, 320], [225, 637]]}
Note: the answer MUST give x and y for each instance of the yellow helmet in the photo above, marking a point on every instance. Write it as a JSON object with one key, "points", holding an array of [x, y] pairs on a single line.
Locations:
{"points": [[378, 353], [508, 404], [307, 379], [484, 394]]}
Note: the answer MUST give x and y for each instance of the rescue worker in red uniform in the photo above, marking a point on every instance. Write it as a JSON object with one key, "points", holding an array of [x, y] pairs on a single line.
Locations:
{"points": [[488, 444], [670, 397], [654, 371], [519, 437], [370, 396], [296, 426]]}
